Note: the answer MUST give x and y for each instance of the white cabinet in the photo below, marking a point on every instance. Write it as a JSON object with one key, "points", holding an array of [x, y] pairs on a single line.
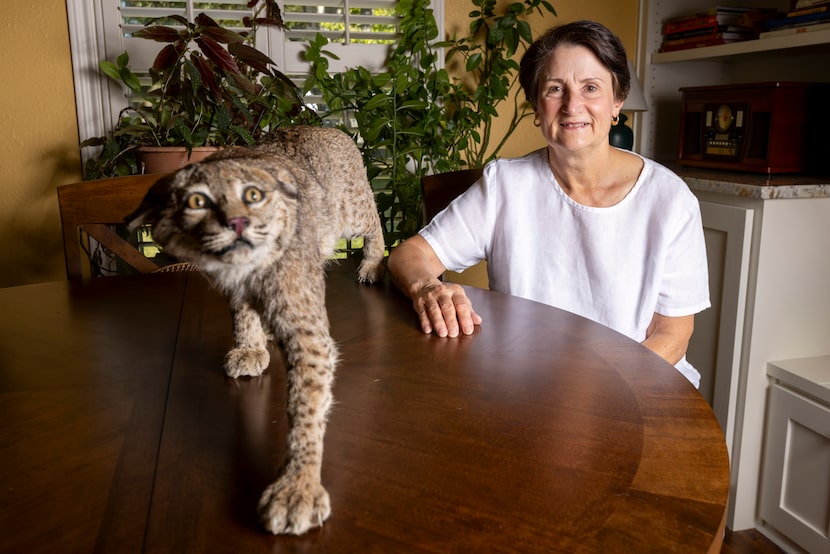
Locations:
{"points": [[716, 343], [795, 501], [769, 269]]}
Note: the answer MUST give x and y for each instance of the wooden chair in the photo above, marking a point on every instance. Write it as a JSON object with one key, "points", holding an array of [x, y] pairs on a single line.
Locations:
{"points": [[437, 192], [441, 189], [89, 209]]}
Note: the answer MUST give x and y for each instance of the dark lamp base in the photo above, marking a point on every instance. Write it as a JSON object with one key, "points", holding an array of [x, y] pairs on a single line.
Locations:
{"points": [[621, 135]]}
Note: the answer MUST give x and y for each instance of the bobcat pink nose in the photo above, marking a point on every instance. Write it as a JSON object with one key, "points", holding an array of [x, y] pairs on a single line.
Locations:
{"points": [[238, 224]]}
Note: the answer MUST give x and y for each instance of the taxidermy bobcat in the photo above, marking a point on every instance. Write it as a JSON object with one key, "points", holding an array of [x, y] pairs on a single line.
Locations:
{"points": [[260, 223]]}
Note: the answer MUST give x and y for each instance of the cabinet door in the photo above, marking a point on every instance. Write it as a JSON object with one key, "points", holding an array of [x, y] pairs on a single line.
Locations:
{"points": [[715, 348], [795, 493]]}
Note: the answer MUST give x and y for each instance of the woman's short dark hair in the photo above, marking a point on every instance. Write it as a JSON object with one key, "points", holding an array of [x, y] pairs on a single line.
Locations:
{"points": [[597, 38]]}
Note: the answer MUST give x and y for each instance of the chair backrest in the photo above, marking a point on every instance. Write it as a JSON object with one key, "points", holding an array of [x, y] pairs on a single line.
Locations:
{"points": [[441, 189], [438, 191], [90, 208]]}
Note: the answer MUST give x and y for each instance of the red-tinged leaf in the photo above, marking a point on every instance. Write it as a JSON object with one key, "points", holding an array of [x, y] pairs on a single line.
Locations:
{"points": [[208, 76], [272, 10], [166, 58], [158, 33], [244, 83], [217, 54], [225, 36], [178, 18], [204, 20], [252, 57], [252, 3]]}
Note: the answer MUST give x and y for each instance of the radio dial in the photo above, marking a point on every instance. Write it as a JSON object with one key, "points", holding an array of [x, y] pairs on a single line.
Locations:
{"points": [[724, 118]]}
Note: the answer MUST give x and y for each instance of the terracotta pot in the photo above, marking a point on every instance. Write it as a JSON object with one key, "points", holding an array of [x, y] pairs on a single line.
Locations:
{"points": [[166, 159]]}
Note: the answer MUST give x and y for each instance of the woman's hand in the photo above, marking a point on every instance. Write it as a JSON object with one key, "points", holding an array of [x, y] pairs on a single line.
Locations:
{"points": [[445, 309], [442, 308]]}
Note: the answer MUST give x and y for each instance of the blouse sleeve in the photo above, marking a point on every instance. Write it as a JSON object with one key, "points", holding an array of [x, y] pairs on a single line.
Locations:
{"points": [[458, 233]]}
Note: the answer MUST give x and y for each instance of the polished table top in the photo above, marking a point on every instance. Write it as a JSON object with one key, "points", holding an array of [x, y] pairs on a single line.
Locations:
{"points": [[541, 432]]}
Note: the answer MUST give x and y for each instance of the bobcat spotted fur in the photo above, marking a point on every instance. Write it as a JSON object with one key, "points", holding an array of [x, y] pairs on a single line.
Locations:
{"points": [[261, 222]]}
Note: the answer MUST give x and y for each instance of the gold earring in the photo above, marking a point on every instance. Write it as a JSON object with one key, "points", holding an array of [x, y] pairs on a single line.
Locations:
{"points": [[615, 119], [536, 122]]}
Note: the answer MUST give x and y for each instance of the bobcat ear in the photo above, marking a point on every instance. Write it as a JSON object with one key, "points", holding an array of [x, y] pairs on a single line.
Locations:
{"points": [[287, 182], [153, 202]]}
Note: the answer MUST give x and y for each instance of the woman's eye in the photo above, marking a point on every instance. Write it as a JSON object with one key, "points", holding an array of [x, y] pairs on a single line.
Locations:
{"points": [[252, 195], [197, 201]]}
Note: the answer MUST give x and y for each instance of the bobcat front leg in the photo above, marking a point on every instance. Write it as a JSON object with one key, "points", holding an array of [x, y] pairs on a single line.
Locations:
{"points": [[249, 355], [297, 501]]}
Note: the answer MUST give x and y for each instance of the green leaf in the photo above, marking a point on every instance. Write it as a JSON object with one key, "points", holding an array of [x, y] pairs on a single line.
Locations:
{"points": [[110, 70], [473, 62], [377, 101]]}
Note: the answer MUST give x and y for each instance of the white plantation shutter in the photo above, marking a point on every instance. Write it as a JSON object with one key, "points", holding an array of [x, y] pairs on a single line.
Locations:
{"points": [[360, 32]]}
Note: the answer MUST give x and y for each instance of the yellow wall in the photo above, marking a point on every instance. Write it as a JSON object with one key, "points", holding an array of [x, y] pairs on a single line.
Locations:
{"points": [[38, 138], [39, 135]]}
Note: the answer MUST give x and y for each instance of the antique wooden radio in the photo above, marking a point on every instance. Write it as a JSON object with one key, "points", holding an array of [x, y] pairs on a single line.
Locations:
{"points": [[773, 127]]}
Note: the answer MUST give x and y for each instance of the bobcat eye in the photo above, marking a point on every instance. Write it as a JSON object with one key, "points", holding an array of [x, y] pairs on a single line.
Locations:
{"points": [[197, 201], [252, 195]]}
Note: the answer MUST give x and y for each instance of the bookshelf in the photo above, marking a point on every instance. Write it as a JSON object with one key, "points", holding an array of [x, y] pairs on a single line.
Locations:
{"points": [[820, 38], [796, 57]]}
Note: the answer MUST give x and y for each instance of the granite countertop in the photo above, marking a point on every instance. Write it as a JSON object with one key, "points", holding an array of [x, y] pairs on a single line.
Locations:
{"points": [[753, 185]]}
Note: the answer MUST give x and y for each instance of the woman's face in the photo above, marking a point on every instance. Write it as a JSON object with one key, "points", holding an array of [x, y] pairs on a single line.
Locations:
{"points": [[576, 100]]}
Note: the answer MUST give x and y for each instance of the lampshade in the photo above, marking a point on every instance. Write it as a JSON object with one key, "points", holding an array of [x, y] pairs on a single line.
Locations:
{"points": [[636, 101], [621, 135]]}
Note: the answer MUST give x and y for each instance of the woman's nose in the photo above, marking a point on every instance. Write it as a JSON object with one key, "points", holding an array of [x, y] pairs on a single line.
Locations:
{"points": [[571, 102]]}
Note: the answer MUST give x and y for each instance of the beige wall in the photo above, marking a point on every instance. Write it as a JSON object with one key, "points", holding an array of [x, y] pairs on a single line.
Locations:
{"points": [[39, 137]]}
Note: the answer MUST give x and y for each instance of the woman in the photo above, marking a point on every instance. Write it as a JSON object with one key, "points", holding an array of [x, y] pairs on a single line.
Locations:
{"points": [[579, 225]]}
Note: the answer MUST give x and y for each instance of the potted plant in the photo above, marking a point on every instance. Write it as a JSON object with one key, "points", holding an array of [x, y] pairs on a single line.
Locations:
{"points": [[209, 87], [415, 118]]}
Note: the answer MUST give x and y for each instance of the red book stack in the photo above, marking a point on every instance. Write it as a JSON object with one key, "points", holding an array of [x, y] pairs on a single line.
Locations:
{"points": [[719, 25]]}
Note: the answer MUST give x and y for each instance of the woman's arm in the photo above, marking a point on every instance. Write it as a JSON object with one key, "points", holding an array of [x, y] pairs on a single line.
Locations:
{"points": [[441, 307], [669, 336]]}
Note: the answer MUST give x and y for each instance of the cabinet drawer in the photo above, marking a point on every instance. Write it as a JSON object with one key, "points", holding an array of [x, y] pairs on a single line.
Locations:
{"points": [[795, 495]]}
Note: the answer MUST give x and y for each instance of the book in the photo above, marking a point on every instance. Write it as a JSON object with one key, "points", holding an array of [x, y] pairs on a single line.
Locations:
{"points": [[807, 11], [689, 24], [711, 31], [718, 15], [800, 4], [777, 22], [716, 38], [795, 30], [701, 44]]}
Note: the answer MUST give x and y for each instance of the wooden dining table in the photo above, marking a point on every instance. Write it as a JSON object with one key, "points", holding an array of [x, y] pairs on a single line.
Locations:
{"points": [[540, 432]]}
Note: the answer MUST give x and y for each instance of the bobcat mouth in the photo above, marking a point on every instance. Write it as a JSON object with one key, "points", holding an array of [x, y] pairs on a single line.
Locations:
{"points": [[238, 243]]}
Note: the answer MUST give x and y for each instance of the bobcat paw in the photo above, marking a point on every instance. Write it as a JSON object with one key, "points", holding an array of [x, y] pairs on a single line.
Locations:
{"points": [[369, 272], [293, 506], [246, 361]]}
